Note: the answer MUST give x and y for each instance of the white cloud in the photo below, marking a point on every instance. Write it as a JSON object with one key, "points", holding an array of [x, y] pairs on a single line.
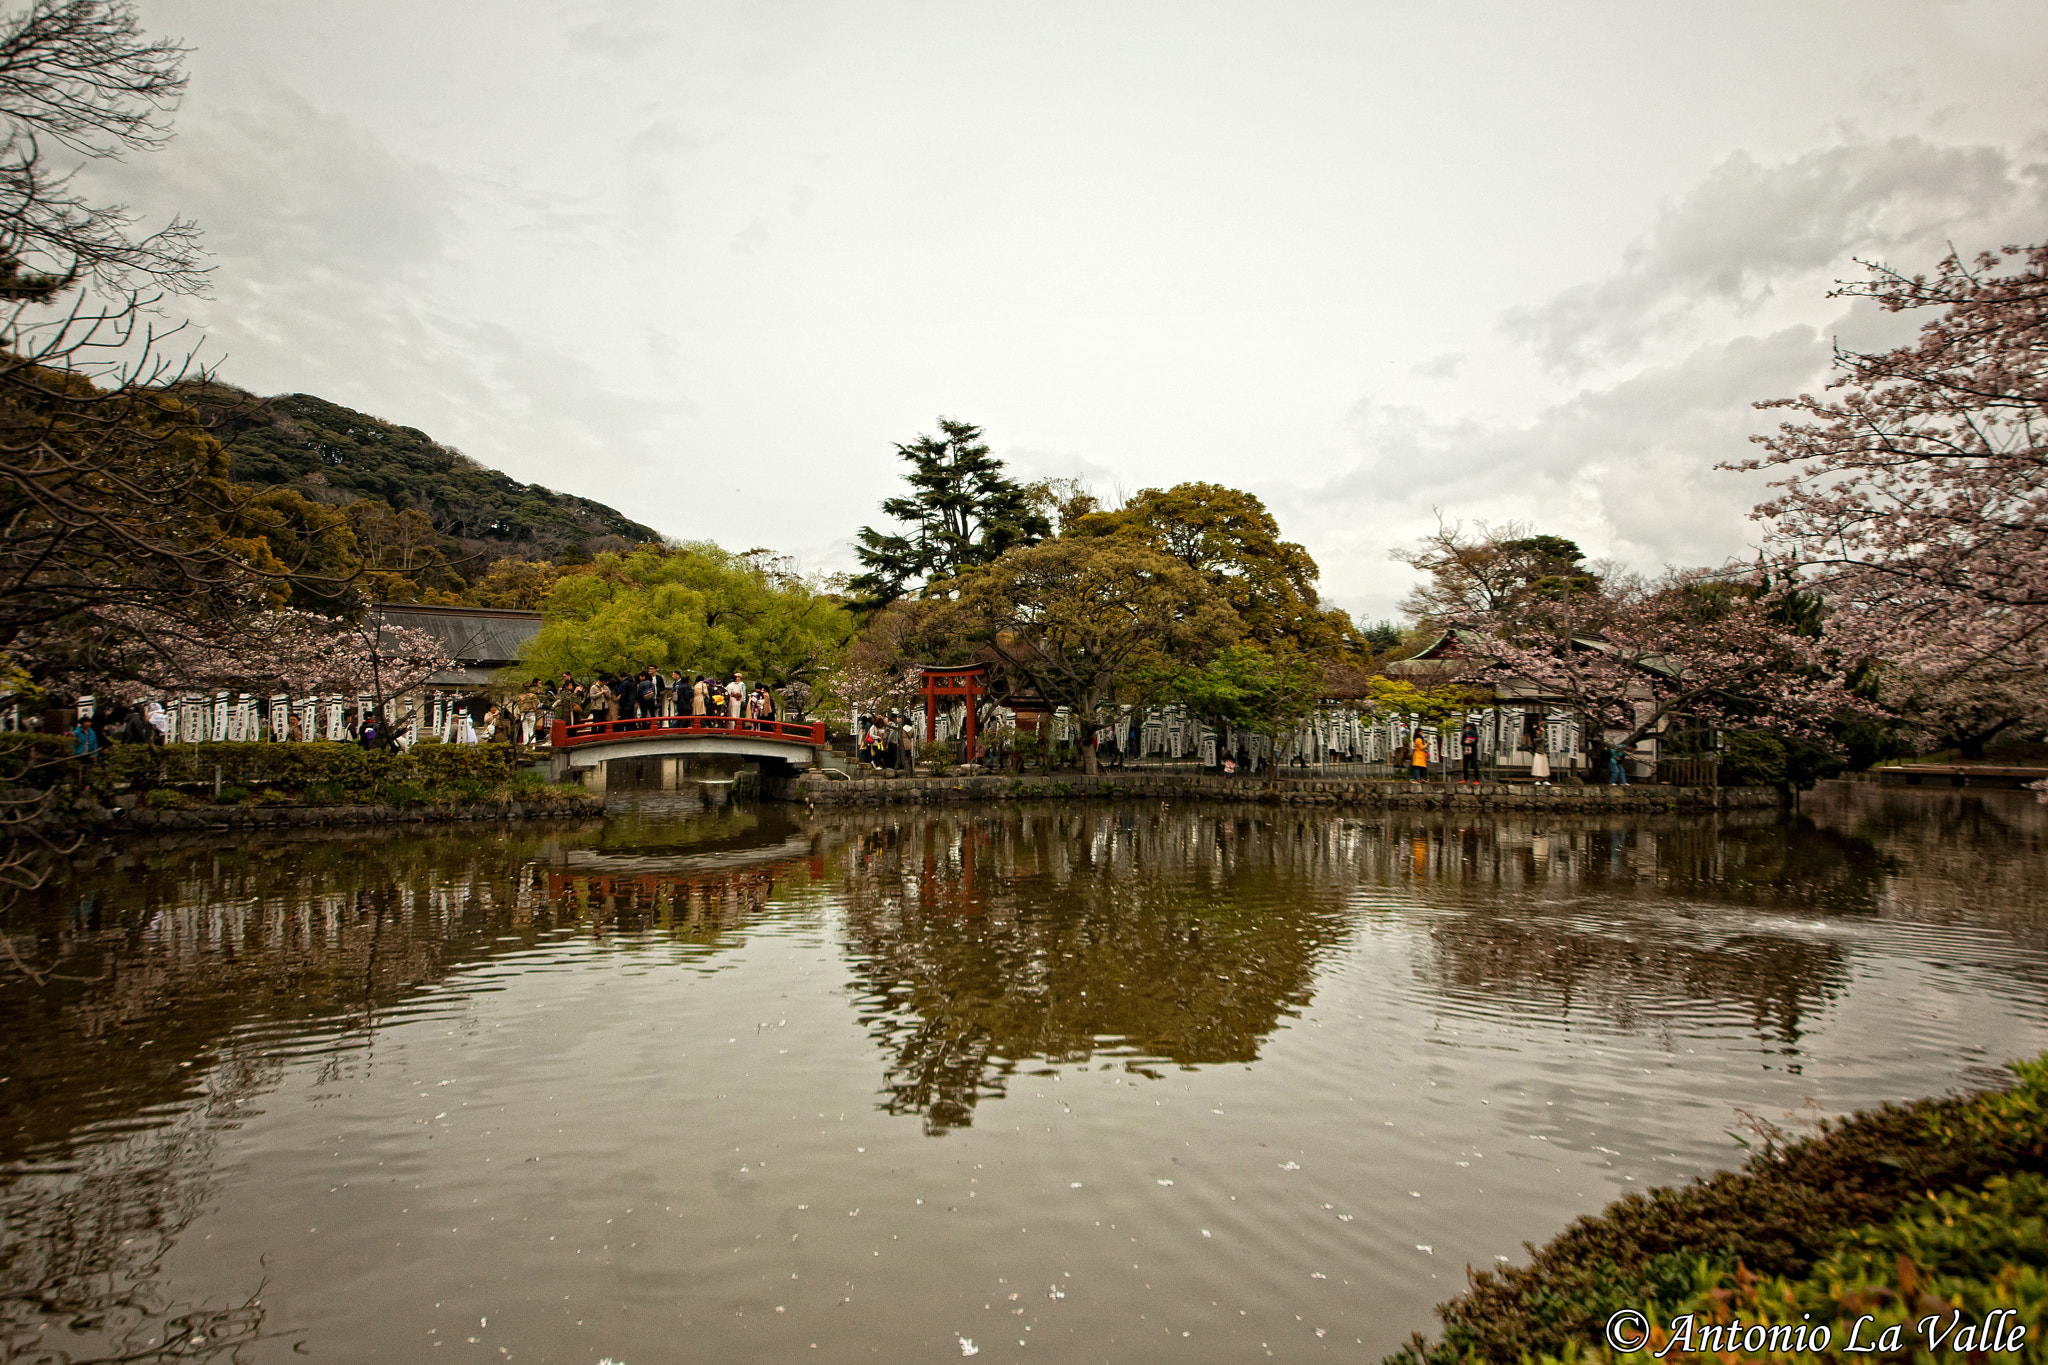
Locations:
{"points": [[1750, 233], [1627, 470], [330, 282]]}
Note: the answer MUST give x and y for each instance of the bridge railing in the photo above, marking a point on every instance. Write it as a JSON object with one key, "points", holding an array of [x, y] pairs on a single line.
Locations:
{"points": [[568, 734]]}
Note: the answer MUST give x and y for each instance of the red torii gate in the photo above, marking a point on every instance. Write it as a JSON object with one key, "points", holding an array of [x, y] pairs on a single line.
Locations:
{"points": [[968, 684]]}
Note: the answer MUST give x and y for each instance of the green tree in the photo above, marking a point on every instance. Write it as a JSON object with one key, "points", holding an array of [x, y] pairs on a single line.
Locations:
{"points": [[962, 513], [1233, 542], [1246, 688], [695, 607], [1088, 621]]}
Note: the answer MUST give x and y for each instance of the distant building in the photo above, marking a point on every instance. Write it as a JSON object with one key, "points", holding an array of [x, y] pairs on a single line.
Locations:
{"points": [[481, 640]]}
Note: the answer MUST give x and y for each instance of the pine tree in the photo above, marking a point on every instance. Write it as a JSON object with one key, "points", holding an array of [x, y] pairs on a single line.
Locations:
{"points": [[961, 513]]}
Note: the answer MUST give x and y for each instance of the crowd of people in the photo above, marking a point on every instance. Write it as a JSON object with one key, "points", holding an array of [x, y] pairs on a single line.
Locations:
{"points": [[650, 694]]}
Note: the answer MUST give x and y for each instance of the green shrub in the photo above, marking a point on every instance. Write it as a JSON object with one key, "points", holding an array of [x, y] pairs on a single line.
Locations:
{"points": [[1782, 1214], [1973, 1251], [358, 772], [28, 759], [402, 794], [163, 798], [465, 792], [1753, 759], [527, 784], [324, 794], [233, 796]]}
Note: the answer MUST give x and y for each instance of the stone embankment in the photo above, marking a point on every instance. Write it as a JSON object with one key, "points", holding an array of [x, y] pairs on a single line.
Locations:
{"points": [[817, 791], [145, 819]]}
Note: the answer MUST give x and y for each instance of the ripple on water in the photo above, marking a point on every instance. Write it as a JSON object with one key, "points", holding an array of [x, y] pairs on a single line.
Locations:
{"points": [[733, 1083]]}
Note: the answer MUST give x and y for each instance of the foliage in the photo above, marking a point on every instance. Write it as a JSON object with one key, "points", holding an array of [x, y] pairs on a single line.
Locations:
{"points": [[1081, 621], [1382, 635], [81, 77], [697, 608], [1702, 646], [514, 585], [1229, 538], [1495, 573], [1433, 705], [1968, 704], [262, 652], [1957, 1259], [28, 758], [962, 513], [1246, 688], [112, 499], [323, 773], [1791, 1207], [1754, 758], [464, 517], [882, 668], [1917, 497]]}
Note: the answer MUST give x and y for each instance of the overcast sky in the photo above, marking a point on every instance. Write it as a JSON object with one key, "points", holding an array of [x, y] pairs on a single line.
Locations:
{"points": [[710, 262]]}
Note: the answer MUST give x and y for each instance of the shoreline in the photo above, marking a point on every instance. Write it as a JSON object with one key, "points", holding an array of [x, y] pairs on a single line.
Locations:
{"points": [[102, 822], [815, 791]]}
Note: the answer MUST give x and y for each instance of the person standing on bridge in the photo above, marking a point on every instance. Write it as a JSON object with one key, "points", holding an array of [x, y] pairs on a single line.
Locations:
{"points": [[736, 695], [700, 696]]}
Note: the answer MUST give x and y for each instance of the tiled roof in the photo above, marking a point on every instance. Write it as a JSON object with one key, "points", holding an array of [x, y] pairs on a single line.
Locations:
{"points": [[475, 636]]}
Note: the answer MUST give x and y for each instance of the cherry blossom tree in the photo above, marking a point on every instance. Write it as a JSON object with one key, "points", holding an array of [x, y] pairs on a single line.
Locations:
{"points": [[1915, 496], [273, 651], [1711, 648], [1968, 707]]}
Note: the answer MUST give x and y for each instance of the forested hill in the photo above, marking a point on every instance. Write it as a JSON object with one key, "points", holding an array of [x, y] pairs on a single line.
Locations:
{"points": [[338, 456]]}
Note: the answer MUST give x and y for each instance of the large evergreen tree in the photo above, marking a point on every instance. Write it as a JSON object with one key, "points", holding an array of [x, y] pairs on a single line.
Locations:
{"points": [[962, 513]]}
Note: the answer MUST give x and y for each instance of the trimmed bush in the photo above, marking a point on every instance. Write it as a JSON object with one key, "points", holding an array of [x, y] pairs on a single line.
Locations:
{"points": [[1956, 1258], [28, 759], [1788, 1210], [358, 773]]}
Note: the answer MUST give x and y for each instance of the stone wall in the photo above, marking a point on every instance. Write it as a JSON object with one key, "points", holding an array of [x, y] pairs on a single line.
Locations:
{"points": [[819, 792], [139, 819]]}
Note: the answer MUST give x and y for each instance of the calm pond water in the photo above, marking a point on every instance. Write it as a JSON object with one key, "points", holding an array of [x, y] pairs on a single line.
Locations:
{"points": [[1140, 1083]]}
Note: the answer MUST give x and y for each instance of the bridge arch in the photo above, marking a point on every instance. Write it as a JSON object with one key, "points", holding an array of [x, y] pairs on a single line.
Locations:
{"points": [[586, 745]]}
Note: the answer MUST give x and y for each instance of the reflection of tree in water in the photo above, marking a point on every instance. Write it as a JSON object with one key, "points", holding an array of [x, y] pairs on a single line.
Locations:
{"points": [[1557, 916], [1976, 857], [170, 980], [82, 1249], [987, 941]]}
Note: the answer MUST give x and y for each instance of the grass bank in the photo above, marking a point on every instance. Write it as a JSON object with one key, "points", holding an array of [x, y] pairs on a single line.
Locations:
{"points": [[182, 777], [1902, 1217]]}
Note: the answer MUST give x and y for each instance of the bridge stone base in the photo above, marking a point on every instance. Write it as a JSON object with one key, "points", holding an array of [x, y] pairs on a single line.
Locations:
{"points": [[669, 771]]}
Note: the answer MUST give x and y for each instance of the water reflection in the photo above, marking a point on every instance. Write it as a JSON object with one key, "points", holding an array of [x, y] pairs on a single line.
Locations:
{"points": [[980, 947], [984, 943]]}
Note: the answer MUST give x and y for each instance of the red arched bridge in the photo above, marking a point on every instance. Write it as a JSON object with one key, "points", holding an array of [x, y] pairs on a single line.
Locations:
{"points": [[589, 744]]}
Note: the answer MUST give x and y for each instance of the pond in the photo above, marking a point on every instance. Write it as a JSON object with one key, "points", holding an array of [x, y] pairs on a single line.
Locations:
{"points": [[1067, 1083]]}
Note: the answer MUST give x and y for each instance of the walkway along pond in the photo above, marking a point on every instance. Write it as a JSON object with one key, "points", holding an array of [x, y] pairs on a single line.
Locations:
{"points": [[1070, 1081]]}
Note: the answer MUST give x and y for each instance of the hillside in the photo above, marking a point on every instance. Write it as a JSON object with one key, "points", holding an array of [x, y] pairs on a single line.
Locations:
{"points": [[343, 458]]}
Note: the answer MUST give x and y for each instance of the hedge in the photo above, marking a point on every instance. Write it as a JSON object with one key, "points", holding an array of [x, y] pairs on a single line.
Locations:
{"points": [[1763, 1230], [356, 772]]}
